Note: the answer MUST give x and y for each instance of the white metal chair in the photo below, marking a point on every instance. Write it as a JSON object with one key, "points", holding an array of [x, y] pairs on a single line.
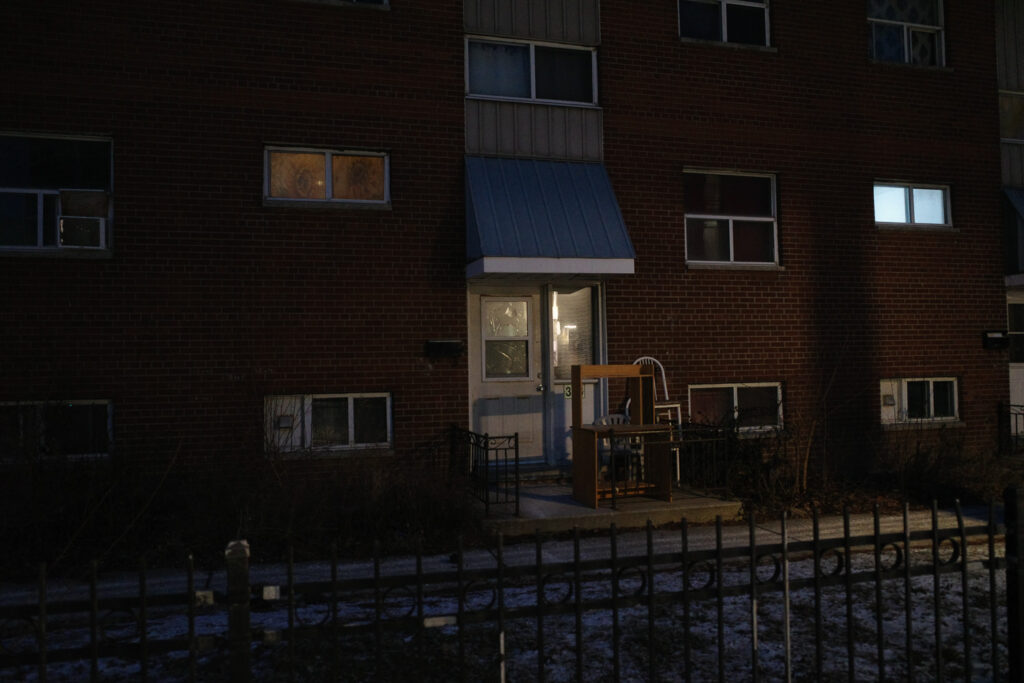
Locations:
{"points": [[651, 360]]}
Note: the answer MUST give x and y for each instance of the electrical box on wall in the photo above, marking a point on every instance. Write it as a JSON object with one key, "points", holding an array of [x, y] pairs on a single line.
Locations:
{"points": [[995, 339], [443, 348]]}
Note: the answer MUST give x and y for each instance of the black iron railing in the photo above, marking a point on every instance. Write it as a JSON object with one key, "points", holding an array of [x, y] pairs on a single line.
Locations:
{"points": [[491, 464], [912, 602]]}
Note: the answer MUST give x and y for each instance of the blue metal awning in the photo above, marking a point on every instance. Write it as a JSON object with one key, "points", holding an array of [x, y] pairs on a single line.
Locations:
{"points": [[532, 217]]}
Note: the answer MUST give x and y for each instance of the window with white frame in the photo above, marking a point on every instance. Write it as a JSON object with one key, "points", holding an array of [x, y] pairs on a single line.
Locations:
{"points": [[54, 193], [925, 399], [730, 218], [55, 429], [327, 422], [906, 31], [729, 21], [904, 204], [531, 71], [325, 176], [752, 406], [1011, 117]]}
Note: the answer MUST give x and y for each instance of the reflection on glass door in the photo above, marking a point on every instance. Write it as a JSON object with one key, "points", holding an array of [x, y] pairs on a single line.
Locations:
{"points": [[572, 330]]}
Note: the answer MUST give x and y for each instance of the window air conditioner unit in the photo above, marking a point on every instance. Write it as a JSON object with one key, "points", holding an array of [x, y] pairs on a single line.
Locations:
{"points": [[79, 232]]}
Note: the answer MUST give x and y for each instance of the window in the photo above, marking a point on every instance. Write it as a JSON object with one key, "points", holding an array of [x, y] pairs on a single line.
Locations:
{"points": [[326, 176], [68, 429], [932, 399], [906, 31], [573, 330], [728, 21], [528, 71], [911, 204], [506, 338], [54, 193], [328, 422], [750, 407], [730, 218], [1011, 117]]}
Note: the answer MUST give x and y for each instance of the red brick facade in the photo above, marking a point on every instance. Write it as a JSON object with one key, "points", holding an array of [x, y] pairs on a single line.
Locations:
{"points": [[209, 300]]}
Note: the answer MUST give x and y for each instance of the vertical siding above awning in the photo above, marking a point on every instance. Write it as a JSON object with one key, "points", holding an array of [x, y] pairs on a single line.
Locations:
{"points": [[527, 216]]}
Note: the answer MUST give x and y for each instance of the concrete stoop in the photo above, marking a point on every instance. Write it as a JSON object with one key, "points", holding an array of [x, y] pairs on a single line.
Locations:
{"points": [[550, 508]]}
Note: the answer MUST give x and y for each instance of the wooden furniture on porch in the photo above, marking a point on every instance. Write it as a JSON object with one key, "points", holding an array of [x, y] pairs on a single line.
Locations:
{"points": [[587, 486]]}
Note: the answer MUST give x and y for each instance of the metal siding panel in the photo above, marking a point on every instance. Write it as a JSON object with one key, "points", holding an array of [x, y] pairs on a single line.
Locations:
{"points": [[1012, 164], [521, 18], [538, 19], [1013, 37], [523, 116], [1008, 54], [594, 135], [574, 133], [556, 132], [590, 22], [571, 32], [504, 18], [489, 127], [470, 15], [472, 126], [505, 135], [540, 137], [556, 20]]}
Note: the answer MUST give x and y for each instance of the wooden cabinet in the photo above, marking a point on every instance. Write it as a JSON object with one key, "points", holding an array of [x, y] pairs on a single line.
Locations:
{"points": [[588, 486]]}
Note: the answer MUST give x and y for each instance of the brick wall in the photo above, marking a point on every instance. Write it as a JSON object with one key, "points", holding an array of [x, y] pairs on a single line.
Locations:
{"points": [[851, 304], [211, 300]]}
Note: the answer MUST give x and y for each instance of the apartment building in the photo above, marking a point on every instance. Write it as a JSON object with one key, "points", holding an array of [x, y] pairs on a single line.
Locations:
{"points": [[329, 229]]}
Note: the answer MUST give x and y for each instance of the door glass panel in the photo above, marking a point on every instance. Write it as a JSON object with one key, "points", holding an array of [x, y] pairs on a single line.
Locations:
{"points": [[506, 338], [505, 319], [506, 358], [572, 329]]}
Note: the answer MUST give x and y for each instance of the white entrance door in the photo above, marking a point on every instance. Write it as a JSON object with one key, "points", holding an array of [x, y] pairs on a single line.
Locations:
{"points": [[505, 367]]}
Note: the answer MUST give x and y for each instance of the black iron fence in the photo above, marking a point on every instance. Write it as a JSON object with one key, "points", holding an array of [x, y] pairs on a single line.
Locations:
{"points": [[492, 465], [908, 603]]}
